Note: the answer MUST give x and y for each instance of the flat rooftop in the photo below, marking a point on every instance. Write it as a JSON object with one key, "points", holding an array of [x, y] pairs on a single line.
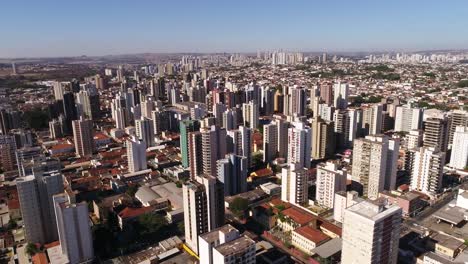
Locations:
{"points": [[236, 246], [214, 234], [453, 215]]}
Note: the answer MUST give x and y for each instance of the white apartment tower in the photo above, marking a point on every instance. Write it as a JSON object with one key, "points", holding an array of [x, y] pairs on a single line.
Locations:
{"points": [[330, 179], [459, 156], [427, 170], [136, 155], [341, 92], [371, 232], [408, 118], [300, 144], [294, 184]]}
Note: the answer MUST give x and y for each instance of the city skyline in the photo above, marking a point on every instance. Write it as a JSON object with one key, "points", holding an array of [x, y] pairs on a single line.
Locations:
{"points": [[63, 29]]}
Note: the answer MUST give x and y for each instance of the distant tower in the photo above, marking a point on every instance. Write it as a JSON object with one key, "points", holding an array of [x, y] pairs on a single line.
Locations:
{"points": [[13, 68]]}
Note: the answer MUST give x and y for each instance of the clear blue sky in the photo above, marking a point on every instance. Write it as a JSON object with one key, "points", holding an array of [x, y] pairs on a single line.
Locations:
{"points": [[101, 27]]}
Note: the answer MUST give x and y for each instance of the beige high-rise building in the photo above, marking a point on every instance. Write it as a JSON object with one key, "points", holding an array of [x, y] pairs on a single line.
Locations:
{"points": [[251, 114], [414, 139], [323, 138], [436, 133], [369, 164], [7, 152], [372, 119], [371, 232], [330, 179], [456, 118], [83, 137]]}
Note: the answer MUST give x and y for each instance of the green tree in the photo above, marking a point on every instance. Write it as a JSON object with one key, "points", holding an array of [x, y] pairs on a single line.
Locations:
{"points": [[462, 83], [151, 224], [239, 205], [31, 249], [12, 224], [131, 190]]}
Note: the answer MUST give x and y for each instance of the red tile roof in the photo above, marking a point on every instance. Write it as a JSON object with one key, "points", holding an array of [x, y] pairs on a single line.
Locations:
{"points": [[299, 216], [331, 227], [13, 204], [40, 258], [131, 212], [312, 234]]}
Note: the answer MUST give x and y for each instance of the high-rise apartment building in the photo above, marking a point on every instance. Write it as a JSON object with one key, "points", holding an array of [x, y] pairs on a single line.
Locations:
{"points": [[456, 118], [144, 131], [459, 156], [414, 139], [408, 118], [83, 137], [371, 232], [341, 92], [330, 180], [427, 170], [323, 138], [436, 133], [251, 114], [213, 148], [7, 152], [74, 231], [294, 184], [369, 169], [232, 172], [270, 142], [136, 155], [203, 207], [298, 103], [372, 119], [35, 193], [299, 144], [186, 126]]}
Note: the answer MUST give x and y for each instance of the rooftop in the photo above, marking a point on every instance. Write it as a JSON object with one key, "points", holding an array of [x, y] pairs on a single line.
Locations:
{"points": [[312, 234], [235, 246], [299, 216]]}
